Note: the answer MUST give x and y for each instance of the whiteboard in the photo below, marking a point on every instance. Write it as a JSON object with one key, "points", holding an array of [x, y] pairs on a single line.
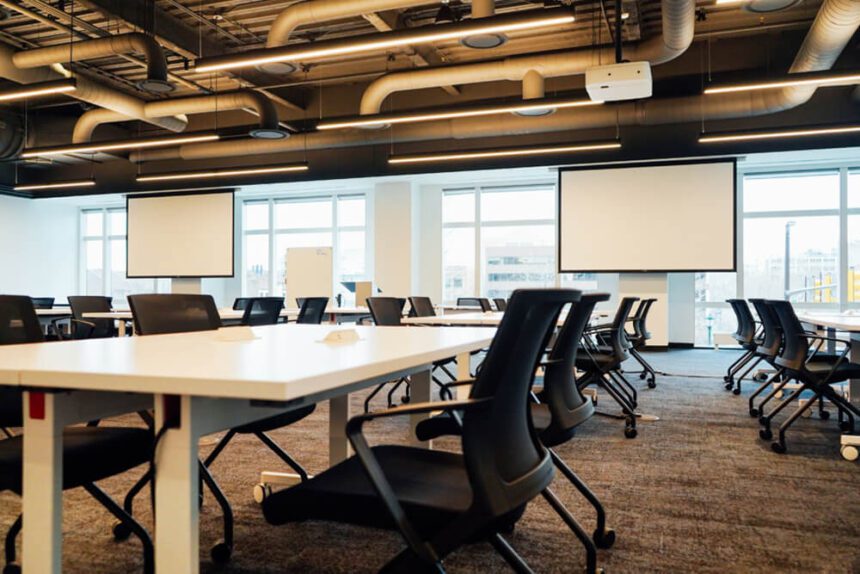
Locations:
{"points": [[309, 273], [657, 218], [180, 235]]}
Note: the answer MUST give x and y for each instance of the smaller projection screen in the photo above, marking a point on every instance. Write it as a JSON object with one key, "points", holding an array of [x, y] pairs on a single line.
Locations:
{"points": [[180, 235], [648, 218]]}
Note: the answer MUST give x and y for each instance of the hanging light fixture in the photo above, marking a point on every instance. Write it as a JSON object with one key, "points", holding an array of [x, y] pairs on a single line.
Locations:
{"points": [[216, 173], [36, 90], [119, 145], [825, 78], [503, 152], [778, 134], [54, 185]]}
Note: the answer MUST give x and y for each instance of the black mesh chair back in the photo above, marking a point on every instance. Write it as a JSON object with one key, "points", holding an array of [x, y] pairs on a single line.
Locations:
{"points": [[175, 313], [263, 311], [640, 331], [42, 302], [745, 333], [481, 302], [312, 310], [386, 311], [501, 303], [240, 303], [568, 408], [505, 460], [18, 325], [772, 339], [795, 343], [617, 338], [421, 307], [84, 328]]}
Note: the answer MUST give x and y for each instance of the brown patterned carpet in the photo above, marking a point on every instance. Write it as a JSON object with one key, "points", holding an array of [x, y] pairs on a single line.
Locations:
{"points": [[695, 492]]}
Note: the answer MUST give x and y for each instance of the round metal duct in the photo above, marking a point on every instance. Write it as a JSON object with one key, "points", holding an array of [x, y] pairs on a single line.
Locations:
{"points": [[766, 6]]}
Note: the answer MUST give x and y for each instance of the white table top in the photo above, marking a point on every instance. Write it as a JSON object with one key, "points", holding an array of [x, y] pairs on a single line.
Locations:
{"points": [[286, 361], [228, 313], [833, 320], [54, 312], [488, 319]]}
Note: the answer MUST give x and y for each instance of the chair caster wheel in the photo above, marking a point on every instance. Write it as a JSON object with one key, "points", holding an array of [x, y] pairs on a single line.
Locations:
{"points": [[824, 415], [630, 432], [652, 384], [405, 399], [777, 447], [753, 413], [847, 451], [845, 426], [12, 569], [262, 492], [604, 539], [762, 420], [727, 379], [729, 385], [221, 553], [120, 532], [736, 391], [642, 376], [765, 434]]}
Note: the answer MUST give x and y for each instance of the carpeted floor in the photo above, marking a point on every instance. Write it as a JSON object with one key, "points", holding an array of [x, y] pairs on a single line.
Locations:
{"points": [[695, 492]]}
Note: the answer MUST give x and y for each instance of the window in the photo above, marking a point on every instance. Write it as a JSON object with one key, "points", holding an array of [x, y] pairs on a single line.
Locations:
{"points": [[103, 256], [496, 239], [271, 226]]}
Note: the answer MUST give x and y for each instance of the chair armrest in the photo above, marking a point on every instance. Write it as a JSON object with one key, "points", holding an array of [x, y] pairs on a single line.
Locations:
{"points": [[823, 338], [446, 387]]}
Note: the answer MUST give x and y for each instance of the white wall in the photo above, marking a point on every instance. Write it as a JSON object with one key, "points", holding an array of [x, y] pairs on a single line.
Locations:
{"points": [[682, 308], [38, 248]]}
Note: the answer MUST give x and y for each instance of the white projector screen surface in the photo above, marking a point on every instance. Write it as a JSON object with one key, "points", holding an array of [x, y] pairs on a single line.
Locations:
{"points": [[658, 218], [180, 235]]}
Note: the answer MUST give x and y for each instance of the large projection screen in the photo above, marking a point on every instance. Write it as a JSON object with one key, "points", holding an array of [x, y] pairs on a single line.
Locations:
{"points": [[180, 235], [648, 218]]}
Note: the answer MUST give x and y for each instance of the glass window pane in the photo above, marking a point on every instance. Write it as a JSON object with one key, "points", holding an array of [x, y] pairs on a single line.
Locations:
{"points": [[458, 263], [315, 213], [351, 211], [93, 223], [715, 287], [458, 207], [581, 281], [517, 257], [853, 277], [284, 241], [257, 265], [711, 320], [256, 215], [854, 189], [117, 222], [94, 267], [518, 205], [351, 263], [791, 192], [812, 246]]}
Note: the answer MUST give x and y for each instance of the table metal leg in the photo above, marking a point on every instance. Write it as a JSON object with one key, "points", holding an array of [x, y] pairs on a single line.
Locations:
{"points": [[420, 393], [464, 373], [121, 328], [338, 445]]}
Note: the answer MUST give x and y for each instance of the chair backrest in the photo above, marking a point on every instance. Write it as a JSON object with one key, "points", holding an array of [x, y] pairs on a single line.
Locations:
{"points": [[772, 339], [795, 343], [386, 311], [506, 463], [18, 324], [501, 303], [80, 304], [568, 408], [481, 302], [175, 313], [263, 311], [312, 310], [421, 307], [746, 323], [240, 303], [640, 330], [42, 302], [617, 337]]}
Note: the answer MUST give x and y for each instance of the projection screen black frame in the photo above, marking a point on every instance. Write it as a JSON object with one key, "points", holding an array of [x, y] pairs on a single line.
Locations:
{"points": [[231, 191], [732, 160]]}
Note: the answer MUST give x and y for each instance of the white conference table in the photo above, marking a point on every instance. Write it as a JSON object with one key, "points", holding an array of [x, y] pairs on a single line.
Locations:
{"points": [[198, 384], [53, 312], [850, 324], [479, 319], [228, 314]]}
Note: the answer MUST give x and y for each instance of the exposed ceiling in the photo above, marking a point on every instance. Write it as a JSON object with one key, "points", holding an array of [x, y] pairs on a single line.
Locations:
{"points": [[729, 40]]}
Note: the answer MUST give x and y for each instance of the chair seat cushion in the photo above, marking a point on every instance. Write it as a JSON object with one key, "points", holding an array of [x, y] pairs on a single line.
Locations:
{"points": [[431, 485], [89, 455], [819, 371], [277, 421], [445, 425], [595, 361]]}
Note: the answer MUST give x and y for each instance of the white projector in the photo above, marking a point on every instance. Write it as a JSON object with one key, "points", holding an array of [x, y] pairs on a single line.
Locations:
{"points": [[627, 81]]}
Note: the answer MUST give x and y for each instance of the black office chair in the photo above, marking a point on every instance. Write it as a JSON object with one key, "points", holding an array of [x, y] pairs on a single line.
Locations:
{"points": [[81, 328], [767, 351], [437, 500], [814, 376], [639, 338], [745, 335], [604, 349], [501, 303], [161, 314], [312, 311], [90, 453], [240, 303], [387, 312], [42, 302], [421, 307], [481, 302], [262, 311]]}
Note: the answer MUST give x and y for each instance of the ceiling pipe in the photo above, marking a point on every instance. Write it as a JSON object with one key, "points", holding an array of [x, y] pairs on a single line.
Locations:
{"points": [[267, 129], [86, 91], [679, 18], [156, 65], [483, 9], [836, 22]]}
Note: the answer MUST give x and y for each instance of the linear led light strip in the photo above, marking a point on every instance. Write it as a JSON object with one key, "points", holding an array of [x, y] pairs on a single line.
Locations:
{"points": [[221, 173], [416, 38], [778, 134], [40, 89], [119, 145], [35, 186], [824, 80], [380, 121], [502, 153]]}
